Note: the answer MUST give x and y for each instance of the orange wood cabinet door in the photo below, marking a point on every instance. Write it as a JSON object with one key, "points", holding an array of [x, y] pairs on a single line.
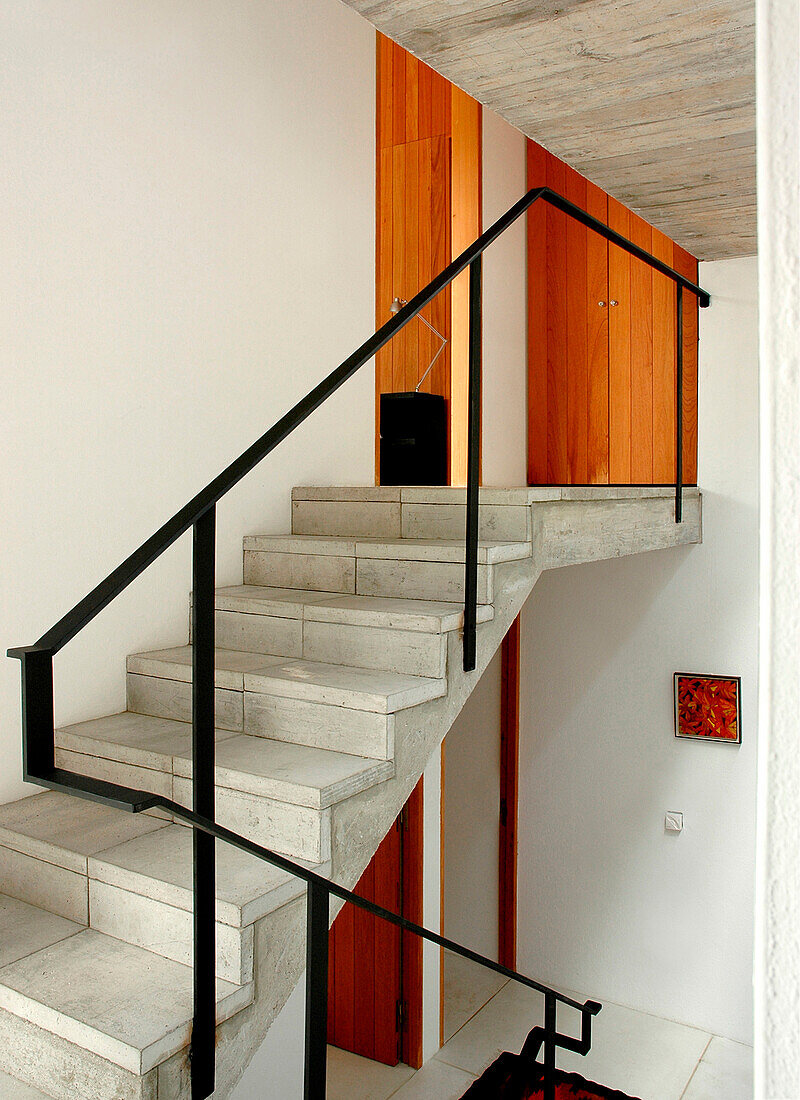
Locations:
{"points": [[364, 983], [601, 343]]}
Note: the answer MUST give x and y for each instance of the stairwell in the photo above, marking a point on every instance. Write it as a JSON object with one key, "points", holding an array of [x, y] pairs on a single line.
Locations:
{"points": [[338, 674]]}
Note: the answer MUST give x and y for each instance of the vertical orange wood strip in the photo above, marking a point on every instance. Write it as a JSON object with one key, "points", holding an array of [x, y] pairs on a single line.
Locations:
{"points": [[400, 343], [332, 984], [408, 374], [440, 105], [412, 98], [398, 94], [427, 343], [577, 351], [439, 309], [364, 958], [387, 949], [383, 285], [537, 320], [557, 467], [344, 1003], [412, 945], [663, 364], [384, 119], [619, 368], [425, 100], [597, 340], [641, 321], [509, 794], [686, 264], [466, 178]]}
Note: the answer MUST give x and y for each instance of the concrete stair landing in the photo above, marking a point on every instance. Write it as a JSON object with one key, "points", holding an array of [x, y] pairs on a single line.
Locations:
{"points": [[338, 674]]}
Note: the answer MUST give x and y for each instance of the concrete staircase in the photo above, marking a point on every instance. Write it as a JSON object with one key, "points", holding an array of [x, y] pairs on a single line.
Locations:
{"points": [[338, 674]]}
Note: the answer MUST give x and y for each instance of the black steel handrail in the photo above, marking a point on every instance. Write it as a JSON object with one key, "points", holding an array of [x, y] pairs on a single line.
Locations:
{"points": [[200, 515]]}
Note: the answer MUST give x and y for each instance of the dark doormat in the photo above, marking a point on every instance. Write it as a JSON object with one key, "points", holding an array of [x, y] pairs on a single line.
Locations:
{"points": [[513, 1077]]}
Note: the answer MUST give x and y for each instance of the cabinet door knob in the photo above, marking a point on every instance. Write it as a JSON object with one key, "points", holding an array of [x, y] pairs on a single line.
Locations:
{"points": [[613, 302], [601, 304]]}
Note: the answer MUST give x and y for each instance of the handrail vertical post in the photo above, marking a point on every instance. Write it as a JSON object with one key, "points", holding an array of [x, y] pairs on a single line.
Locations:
{"points": [[204, 846], [549, 1076], [679, 408], [473, 464], [38, 737], [316, 1049]]}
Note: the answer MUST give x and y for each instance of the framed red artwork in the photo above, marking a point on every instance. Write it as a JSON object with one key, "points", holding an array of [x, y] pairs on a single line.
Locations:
{"points": [[708, 708]]}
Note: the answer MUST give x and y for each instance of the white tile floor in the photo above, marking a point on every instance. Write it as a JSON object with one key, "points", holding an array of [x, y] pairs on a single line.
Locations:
{"points": [[644, 1056]]}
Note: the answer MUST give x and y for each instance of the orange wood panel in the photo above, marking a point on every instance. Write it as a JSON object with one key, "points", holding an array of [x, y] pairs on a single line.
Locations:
{"points": [[387, 949], [425, 100], [509, 795], [537, 320], [383, 280], [401, 245], [427, 343], [341, 1017], [619, 356], [640, 307], [663, 364], [441, 94], [440, 308], [412, 98], [597, 340], [576, 276], [407, 370], [412, 945], [466, 221], [365, 935], [398, 94], [556, 222], [384, 117], [686, 264]]}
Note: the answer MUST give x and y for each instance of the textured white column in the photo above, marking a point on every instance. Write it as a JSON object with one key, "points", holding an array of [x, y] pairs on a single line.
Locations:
{"points": [[777, 971]]}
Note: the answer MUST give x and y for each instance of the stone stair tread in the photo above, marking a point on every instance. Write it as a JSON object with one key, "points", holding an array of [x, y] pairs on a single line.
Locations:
{"points": [[26, 929], [121, 1002], [346, 686], [230, 665], [65, 831], [441, 550], [159, 866], [12, 1089], [132, 738], [258, 599], [299, 774]]}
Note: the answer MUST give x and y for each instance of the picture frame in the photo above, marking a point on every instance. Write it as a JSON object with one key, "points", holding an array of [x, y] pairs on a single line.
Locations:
{"points": [[708, 707]]}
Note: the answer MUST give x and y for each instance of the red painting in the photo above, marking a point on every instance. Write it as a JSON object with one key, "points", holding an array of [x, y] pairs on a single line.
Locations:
{"points": [[708, 707]]}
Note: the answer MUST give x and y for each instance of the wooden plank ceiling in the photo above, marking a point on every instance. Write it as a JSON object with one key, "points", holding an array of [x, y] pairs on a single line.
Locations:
{"points": [[653, 100]]}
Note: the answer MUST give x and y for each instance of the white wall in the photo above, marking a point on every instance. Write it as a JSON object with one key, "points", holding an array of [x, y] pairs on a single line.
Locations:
{"points": [[778, 902], [472, 818], [505, 318], [609, 904], [187, 215], [277, 1067]]}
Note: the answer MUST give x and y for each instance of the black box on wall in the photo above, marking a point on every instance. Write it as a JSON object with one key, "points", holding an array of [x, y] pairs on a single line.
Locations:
{"points": [[413, 448]]}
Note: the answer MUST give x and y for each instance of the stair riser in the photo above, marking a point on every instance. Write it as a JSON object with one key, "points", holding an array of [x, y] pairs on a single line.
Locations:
{"points": [[406, 651], [167, 931], [55, 889], [419, 580], [164, 698], [359, 732], [497, 523], [296, 831], [357, 519], [317, 572], [248, 633], [63, 1069]]}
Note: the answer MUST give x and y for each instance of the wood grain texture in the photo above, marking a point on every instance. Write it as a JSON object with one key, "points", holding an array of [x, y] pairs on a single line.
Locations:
{"points": [[387, 949], [509, 795], [663, 364], [619, 350], [597, 341], [537, 320], [687, 265], [576, 274], [466, 221], [640, 308], [411, 1044], [556, 292], [653, 102]]}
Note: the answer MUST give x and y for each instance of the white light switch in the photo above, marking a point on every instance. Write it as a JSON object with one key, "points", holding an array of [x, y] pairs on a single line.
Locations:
{"points": [[673, 821]]}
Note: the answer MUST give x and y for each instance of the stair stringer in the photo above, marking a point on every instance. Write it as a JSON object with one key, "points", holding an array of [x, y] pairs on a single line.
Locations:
{"points": [[563, 533]]}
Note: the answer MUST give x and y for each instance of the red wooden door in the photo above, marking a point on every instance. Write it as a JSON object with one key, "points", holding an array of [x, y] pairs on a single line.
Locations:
{"points": [[364, 983]]}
